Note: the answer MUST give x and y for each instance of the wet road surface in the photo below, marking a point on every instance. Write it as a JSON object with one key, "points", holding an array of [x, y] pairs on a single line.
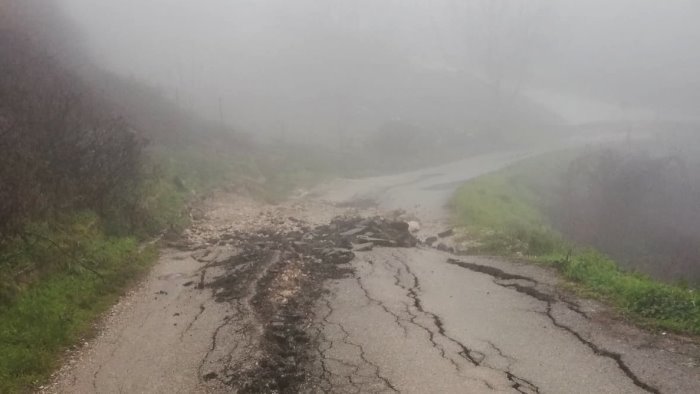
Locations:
{"points": [[409, 320]]}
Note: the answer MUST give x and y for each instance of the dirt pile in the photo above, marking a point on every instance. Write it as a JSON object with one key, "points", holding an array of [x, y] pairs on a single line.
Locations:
{"points": [[272, 280]]}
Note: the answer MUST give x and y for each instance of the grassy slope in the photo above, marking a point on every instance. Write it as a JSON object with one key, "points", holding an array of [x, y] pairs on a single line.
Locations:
{"points": [[504, 213], [79, 272], [80, 264], [60, 276]]}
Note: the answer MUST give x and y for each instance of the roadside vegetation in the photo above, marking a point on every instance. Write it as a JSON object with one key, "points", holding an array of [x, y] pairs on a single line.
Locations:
{"points": [[524, 211], [77, 200], [64, 275], [93, 167]]}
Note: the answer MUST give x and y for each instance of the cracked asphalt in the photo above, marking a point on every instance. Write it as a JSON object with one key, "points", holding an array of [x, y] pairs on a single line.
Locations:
{"points": [[404, 320], [420, 320], [421, 325]]}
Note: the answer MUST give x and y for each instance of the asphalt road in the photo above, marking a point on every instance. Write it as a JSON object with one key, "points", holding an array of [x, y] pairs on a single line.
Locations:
{"points": [[409, 320]]}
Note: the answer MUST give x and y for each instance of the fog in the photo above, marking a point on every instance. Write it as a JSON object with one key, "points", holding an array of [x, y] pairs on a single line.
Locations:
{"points": [[343, 196], [335, 70]]}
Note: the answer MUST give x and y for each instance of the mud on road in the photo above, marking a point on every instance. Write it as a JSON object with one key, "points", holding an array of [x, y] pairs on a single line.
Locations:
{"points": [[229, 305], [273, 283]]}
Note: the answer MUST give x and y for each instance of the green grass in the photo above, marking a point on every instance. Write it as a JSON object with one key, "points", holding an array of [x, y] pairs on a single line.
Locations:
{"points": [[76, 274], [651, 303], [59, 275], [503, 213]]}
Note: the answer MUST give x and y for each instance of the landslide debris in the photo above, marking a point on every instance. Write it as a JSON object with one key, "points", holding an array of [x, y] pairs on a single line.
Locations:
{"points": [[276, 277]]}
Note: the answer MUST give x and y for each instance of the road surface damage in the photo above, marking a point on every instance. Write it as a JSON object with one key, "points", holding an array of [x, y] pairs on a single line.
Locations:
{"points": [[313, 297], [272, 283], [505, 279]]}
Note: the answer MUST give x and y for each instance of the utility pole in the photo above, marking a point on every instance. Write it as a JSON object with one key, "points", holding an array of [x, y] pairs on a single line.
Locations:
{"points": [[221, 114]]}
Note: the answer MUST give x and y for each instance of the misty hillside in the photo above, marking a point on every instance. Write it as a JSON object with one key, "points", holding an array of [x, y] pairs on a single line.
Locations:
{"points": [[61, 145], [349, 196], [75, 140]]}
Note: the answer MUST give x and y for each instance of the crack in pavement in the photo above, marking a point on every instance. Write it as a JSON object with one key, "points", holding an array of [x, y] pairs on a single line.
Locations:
{"points": [[603, 353], [397, 319], [503, 277], [474, 357], [100, 366], [345, 338], [324, 358], [550, 300], [191, 323], [519, 384], [214, 335]]}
